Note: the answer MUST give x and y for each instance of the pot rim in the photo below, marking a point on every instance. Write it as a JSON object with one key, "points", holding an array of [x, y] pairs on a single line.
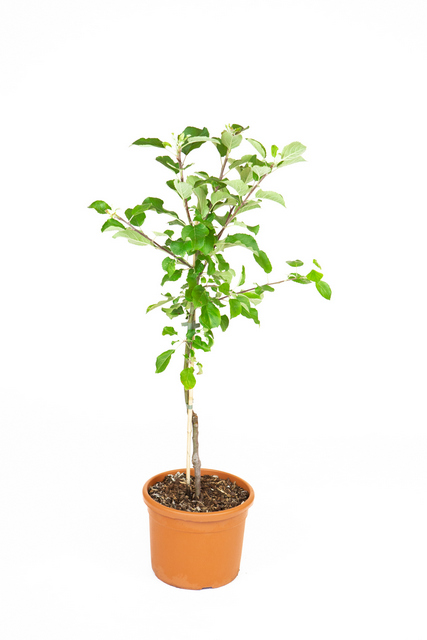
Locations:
{"points": [[194, 515]]}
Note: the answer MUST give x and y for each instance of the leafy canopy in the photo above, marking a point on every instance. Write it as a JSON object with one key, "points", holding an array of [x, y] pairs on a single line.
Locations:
{"points": [[195, 242]]}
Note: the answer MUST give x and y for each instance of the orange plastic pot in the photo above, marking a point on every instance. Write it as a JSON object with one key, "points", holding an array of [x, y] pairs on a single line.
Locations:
{"points": [[196, 550]]}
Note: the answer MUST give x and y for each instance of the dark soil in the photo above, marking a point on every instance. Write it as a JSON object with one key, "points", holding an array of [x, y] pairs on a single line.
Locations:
{"points": [[217, 494]]}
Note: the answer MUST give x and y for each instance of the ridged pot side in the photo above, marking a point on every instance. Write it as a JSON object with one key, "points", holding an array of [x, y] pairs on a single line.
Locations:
{"points": [[196, 550]]}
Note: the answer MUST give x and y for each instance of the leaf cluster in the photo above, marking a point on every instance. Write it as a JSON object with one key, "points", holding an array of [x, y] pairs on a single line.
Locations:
{"points": [[196, 241]]}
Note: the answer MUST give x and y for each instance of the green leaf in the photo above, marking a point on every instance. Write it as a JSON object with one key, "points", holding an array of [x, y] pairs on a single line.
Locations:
{"points": [[179, 247], [202, 205], [292, 151], [244, 301], [167, 162], [235, 308], [261, 171], [253, 295], [173, 311], [237, 128], [193, 132], [150, 142], [208, 244], [314, 276], [223, 265], [198, 343], [187, 378], [215, 182], [199, 296], [156, 204], [184, 189], [242, 239], [222, 150], [271, 195], [172, 278], [252, 314], [236, 140], [246, 174], [227, 139], [193, 139], [251, 204], [296, 277], [112, 223], [169, 331], [239, 186], [227, 276], [224, 323], [258, 146], [196, 233], [132, 236], [285, 163], [221, 194], [324, 289], [224, 288], [243, 160], [100, 206], [274, 150], [210, 316], [264, 287], [317, 264], [163, 360], [262, 259], [294, 263], [242, 277], [137, 215], [169, 265], [159, 304]]}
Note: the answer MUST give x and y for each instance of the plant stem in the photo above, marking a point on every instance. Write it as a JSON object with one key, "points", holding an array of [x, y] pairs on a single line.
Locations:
{"points": [[270, 284], [188, 394], [181, 177], [232, 214], [221, 175], [189, 433], [153, 242], [196, 459]]}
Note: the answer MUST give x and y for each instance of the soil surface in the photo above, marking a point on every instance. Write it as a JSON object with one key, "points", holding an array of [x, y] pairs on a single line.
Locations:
{"points": [[217, 494]]}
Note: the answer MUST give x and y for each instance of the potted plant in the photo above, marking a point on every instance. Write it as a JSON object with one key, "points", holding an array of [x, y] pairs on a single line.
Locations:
{"points": [[197, 516]]}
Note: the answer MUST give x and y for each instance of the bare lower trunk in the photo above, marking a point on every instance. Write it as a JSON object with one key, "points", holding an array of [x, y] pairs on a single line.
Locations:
{"points": [[195, 459], [189, 433], [189, 396]]}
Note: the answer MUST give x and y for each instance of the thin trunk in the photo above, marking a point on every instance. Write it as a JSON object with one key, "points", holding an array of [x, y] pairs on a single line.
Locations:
{"points": [[196, 459], [189, 433], [189, 396]]}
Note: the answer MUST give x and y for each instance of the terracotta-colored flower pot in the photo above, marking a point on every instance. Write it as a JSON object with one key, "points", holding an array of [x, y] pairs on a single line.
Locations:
{"points": [[196, 550]]}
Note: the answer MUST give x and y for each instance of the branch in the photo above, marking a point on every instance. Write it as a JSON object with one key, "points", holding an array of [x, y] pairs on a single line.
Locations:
{"points": [[196, 458], [153, 242], [221, 175], [232, 214], [270, 284]]}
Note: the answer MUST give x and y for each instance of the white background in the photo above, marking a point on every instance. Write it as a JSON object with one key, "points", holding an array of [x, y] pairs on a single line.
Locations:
{"points": [[322, 409]]}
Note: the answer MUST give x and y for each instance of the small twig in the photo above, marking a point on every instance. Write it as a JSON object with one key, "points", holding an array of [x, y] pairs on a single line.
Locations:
{"points": [[224, 164], [153, 242], [232, 214], [270, 284]]}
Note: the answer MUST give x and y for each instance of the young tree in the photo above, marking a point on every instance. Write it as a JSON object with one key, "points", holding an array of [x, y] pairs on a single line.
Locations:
{"points": [[194, 245]]}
